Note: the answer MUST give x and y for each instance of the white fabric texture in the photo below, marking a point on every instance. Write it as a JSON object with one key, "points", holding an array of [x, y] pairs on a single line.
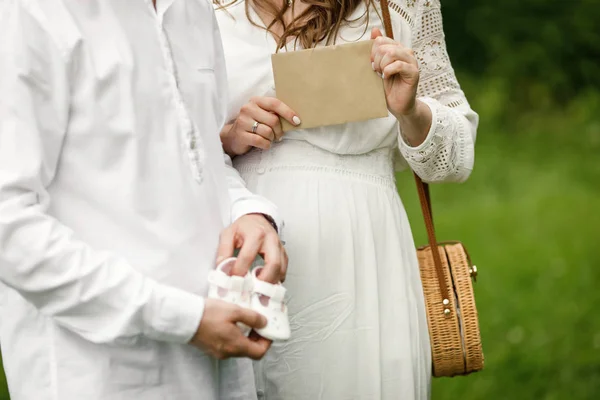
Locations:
{"points": [[359, 329], [113, 192]]}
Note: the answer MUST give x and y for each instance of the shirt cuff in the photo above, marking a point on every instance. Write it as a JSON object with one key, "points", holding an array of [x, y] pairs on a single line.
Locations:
{"points": [[433, 105], [257, 205], [173, 315]]}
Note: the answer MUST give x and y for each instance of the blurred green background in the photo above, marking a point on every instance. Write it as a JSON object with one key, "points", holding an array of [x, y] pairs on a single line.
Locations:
{"points": [[529, 214]]}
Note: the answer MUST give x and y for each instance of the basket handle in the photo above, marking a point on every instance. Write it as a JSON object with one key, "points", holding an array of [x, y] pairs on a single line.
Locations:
{"points": [[422, 188]]}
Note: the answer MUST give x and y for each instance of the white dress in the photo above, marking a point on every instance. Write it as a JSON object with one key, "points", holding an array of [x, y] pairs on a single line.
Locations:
{"points": [[359, 329]]}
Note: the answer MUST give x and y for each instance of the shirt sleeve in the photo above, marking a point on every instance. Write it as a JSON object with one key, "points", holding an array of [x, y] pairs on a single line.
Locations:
{"points": [[447, 154], [96, 295], [243, 201]]}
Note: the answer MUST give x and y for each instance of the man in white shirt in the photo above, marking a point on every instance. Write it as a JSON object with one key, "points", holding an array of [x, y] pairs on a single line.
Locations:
{"points": [[113, 193]]}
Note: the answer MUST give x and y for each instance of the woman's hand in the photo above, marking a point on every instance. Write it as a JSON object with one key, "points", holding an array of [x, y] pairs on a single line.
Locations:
{"points": [[257, 125], [399, 69]]}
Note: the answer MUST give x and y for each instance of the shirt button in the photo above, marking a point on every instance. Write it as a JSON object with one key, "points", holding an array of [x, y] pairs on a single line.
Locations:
{"points": [[261, 170]]}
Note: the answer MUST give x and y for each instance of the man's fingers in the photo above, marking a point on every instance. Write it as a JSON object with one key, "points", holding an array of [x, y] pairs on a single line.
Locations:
{"points": [[284, 263], [219, 335], [247, 255], [253, 349], [250, 318], [264, 343], [271, 250], [255, 337]]}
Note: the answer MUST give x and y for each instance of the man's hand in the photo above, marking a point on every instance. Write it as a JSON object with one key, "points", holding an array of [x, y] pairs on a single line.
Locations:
{"points": [[219, 335], [254, 235]]}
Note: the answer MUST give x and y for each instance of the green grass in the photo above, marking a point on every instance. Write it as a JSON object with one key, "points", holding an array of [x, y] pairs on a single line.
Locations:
{"points": [[529, 218], [3, 390]]}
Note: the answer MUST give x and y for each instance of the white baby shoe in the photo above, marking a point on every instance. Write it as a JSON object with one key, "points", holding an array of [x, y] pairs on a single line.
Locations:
{"points": [[268, 299], [232, 289]]}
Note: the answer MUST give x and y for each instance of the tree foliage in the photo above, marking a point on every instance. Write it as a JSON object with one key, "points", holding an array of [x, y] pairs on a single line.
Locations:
{"points": [[545, 50]]}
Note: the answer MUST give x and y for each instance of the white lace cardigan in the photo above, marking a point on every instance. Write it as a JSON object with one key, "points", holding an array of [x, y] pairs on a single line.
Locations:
{"points": [[447, 155]]}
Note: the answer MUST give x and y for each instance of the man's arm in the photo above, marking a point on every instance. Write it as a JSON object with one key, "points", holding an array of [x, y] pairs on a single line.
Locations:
{"points": [[244, 202], [96, 295], [256, 229], [256, 225]]}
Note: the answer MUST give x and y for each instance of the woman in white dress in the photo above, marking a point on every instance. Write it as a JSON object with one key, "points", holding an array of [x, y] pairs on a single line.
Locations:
{"points": [[359, 329]]}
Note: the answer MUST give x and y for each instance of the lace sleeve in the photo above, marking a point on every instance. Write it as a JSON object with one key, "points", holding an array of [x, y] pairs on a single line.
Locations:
{"points": [[447, 154]]}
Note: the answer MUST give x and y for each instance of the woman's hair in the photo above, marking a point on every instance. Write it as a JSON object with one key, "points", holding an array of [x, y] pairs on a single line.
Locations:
{"points": [[320, 21]]}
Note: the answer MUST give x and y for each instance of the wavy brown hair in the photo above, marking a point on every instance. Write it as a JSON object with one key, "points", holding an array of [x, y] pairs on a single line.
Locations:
{"points": [[321, 21]]}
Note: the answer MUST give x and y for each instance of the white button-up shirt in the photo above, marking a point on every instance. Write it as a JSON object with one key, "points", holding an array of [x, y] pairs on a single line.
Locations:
{"points": [[113, 191]]}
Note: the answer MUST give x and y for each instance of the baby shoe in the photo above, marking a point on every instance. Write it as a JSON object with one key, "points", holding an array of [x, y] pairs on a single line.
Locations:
{"points": [[232, 289], [268, 299]]}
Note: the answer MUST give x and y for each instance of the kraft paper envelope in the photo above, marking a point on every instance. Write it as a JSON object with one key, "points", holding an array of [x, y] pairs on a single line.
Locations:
{"points": [[329, 85]]}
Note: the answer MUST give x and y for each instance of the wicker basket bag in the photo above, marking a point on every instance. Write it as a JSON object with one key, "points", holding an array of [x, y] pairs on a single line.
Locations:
{"points": [[447, 275]]}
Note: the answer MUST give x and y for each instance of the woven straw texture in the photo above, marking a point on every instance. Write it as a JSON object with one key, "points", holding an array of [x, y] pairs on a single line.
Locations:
{"points": [[455, 339]]}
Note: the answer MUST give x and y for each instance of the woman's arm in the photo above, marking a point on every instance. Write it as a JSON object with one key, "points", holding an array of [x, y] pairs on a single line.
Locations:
{"points": [[447, 151], [437, 125]]}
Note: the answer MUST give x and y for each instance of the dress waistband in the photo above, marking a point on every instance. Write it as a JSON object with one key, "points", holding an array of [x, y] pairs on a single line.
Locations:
{"points": [[297, 155]]}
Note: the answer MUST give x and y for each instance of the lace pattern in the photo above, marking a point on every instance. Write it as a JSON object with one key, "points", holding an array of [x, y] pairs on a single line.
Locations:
{"points": [[296, 155], [448, 152]]}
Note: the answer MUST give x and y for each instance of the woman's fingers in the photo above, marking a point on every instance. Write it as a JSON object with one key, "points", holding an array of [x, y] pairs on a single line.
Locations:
{"points": [[261, 139], [378, 42], [388, 53], [268, 123], [266, 111], [265, 131], [404, 69], [375, 33], [393, 53], [259, 122], [254, 140], [279, 108]]}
